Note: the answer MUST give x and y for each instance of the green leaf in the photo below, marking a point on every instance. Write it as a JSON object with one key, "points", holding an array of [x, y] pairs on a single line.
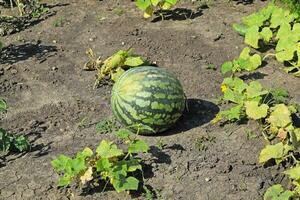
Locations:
{"points": [[64, 180], [293, 173], [271, 152], [117, 73], [133, 61], [233, 113], [245, 54], [3, 105], [21, 143], [123, 133], [281, 16], [87, 152], [138, 146], [172, 2], [125, 184], [296, 31], [283, 31], [252, 37], [255, 19], [235, 83], [229, 95], [240, 28], [166, 5], [254, 111], [280, 116], [226, 67], [266, 34], [61, 163], [77, 165], [143, 4], [276, 192], [255, 90], [108, 150], [279, 95], [133, 165], [5, 141], [103, 164], [285, 54], [254, 62], [155, 2]]}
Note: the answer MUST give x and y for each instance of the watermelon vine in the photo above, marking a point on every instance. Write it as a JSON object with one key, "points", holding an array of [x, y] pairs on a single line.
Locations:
{"points": [[274, 26], [108, 165], [269, 107]]}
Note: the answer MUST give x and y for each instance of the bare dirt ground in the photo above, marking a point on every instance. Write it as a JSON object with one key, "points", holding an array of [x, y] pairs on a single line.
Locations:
{"points": [[42, 80]]}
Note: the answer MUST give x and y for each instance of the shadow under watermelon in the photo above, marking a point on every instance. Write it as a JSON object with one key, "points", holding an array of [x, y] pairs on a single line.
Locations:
{"points": [[199, 112]]}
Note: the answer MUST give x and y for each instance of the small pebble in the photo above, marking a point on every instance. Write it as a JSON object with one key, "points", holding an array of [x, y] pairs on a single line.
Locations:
{"points": [[207, 179], [13, 71]]}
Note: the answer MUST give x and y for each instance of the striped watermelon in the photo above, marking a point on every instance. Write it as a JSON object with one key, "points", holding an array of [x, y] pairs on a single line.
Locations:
{"points": [[148, 96]]}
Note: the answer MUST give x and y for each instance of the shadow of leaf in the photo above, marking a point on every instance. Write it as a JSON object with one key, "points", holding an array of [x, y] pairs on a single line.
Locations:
{"points": [[178, 14], [15, 53]]}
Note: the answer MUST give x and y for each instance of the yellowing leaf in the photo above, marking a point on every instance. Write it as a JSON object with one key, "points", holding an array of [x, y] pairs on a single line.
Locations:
{"points": [[133, 61], [255, 89], [271, 152], [252, 37], [148, 12], [87, 176], [254, 111], [266, 34], [166, 6], [293, 173], [108, 150], [280, 116], [117, 73]]}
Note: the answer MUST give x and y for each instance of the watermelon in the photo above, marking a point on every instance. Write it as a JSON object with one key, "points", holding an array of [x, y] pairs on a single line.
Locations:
{"points": [[148, 96]]}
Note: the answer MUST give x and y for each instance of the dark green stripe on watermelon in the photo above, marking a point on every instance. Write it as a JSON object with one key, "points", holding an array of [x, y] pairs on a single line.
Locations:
{"points": [[150, 96]]}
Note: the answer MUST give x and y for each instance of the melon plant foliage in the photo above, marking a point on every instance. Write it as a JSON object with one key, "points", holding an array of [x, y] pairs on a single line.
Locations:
{"points": [[114, 66], [107, 164], [271, 108], [150, 6], [10, 142], [276, 26]]}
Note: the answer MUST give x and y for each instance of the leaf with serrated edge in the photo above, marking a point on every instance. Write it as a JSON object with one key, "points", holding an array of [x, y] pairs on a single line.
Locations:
{"points": [[138, 146], [108, 150]]}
